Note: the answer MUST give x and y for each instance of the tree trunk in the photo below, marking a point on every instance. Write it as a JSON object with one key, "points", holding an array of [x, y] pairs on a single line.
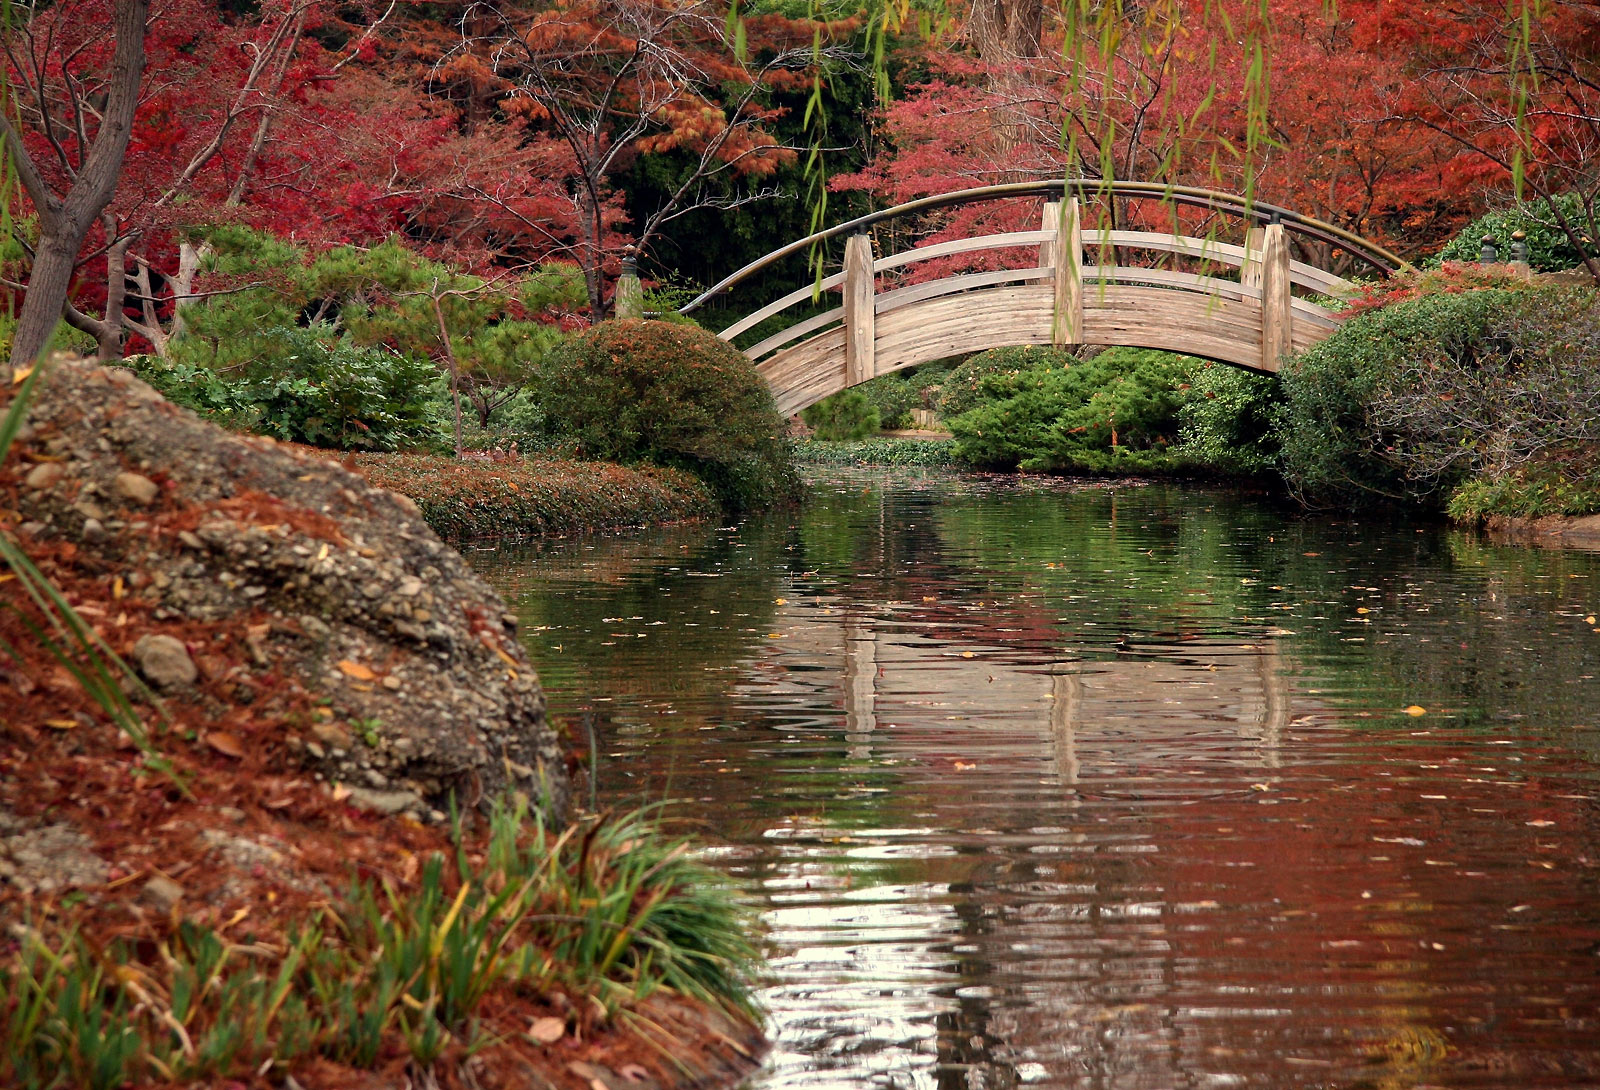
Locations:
{"points": [[64, 222], [109, 336]]}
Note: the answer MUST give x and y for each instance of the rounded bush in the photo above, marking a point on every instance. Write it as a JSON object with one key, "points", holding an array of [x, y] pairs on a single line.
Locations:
{"points": [[1409, 401], [673, 395]]}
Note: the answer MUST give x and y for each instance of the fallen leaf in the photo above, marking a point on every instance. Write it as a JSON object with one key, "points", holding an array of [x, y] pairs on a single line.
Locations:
{"points": [[967, 654], [963, 766], [1416, 709], [781, 601], [356, 670], [225, 743], [1363, 609], [1589, 619], [340, 792], [547, 1031], [61, 724], [1541, 824]]}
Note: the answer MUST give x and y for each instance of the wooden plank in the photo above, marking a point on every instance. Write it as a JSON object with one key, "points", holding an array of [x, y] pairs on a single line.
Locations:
{"points": [[860, 316], [961, 246], [799, 329], [954, 285], [1067, 324], [1047, 224], [1276, 313], [783, 303]]}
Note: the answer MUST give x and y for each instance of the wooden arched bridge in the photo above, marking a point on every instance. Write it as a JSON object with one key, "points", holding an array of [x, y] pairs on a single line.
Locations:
{"points": [[1219, 300]]}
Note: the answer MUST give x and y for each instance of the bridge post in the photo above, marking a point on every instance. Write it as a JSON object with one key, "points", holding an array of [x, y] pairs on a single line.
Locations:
{"points": [[1065, 255], [1276, 314], [860, 317]]}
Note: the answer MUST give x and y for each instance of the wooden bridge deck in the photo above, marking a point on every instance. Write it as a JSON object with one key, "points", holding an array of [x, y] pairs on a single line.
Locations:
{"points": [[1235, 304]]}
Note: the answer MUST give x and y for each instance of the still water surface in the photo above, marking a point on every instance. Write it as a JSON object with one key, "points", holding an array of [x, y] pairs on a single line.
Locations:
{"points": [[1049, 785]]}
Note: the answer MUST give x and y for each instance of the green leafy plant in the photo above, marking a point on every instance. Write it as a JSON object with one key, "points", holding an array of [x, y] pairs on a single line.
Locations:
{"points": [[1411, 401], [314, 386], [1227, 420], [1114, 412]]}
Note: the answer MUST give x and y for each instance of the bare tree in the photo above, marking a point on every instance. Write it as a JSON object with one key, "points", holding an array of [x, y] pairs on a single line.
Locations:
{"points": [[65, 219]]}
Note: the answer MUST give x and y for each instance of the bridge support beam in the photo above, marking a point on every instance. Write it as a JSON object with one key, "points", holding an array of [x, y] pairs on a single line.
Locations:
{"points": [[1064, 254], [860, 315], [1276, 316]]}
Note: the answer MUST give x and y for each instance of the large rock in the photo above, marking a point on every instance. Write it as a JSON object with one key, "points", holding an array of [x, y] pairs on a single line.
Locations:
{"points": [[300, 596]]}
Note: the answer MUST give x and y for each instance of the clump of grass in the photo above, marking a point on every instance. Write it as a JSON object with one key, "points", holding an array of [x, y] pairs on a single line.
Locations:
{"points": [[604, 913]]}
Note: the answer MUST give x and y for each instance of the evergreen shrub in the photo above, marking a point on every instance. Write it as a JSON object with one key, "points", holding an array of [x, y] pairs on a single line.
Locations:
{"points": [[1549, 247], [844, 416], [673, 395], [1114, 412], [1227, 420], [1417, 399]]}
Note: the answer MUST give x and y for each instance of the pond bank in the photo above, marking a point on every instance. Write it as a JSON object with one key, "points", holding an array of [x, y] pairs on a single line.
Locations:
{"points": [[264, 846]]}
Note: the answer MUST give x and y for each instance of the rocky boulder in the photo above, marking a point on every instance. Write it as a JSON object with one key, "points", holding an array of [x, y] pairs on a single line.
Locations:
{"points": [[295, 606]]}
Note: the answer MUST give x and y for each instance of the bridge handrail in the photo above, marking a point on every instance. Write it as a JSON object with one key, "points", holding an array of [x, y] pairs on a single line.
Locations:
{"points": [[1221, 253], [1093, 276], [1192, 196]]}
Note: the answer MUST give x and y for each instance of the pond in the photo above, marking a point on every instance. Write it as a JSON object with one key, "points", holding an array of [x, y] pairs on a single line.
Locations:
{"points": [[1055, 784]]}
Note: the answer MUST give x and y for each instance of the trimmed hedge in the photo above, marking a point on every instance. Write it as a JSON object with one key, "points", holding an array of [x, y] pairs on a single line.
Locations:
{"points": [[528, 498]]}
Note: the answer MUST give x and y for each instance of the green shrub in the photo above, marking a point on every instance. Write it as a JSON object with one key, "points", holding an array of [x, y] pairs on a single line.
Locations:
{"points": [[1410, 401], [311, 385], [674, 395], [843, 416], [1117, 411], [1549, 247], [1227, 419]]}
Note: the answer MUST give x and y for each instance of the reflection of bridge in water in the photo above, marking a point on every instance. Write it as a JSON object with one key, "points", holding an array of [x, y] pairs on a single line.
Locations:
{"points": [[1151, 703]]}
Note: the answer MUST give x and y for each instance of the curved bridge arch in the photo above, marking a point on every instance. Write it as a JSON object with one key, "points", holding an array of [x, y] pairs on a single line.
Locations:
{"points": [[1236, 305]]}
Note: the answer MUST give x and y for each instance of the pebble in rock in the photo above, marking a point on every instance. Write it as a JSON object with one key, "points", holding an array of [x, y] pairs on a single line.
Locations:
{"points": [[164, 661], [161, 892], [135, 488]]}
